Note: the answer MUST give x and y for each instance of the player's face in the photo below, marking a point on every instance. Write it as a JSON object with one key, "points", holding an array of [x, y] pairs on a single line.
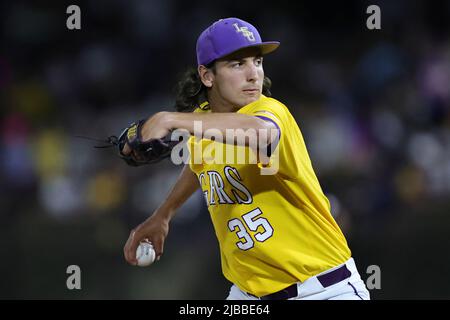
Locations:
{"points": [[238, 79]]}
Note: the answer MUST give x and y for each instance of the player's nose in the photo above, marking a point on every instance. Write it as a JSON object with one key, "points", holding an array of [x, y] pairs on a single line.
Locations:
{"points": [[252, 73]]}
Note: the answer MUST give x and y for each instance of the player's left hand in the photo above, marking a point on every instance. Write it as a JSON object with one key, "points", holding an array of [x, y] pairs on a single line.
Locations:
{"points": [[155, 127]]}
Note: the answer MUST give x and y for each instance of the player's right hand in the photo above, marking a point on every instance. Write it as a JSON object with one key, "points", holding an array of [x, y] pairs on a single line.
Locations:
{"points": [[127, 151], [154, 229]]}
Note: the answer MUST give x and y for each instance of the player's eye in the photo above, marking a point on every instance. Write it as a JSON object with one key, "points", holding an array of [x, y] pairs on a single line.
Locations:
{"points": [[258, 61], [236, 64]]}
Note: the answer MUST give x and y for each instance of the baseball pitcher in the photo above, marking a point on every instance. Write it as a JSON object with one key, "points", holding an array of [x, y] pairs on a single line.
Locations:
{"points": [[277, 237]]}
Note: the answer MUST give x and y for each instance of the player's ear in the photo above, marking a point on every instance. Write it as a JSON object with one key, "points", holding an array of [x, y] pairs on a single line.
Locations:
{"points": [[206, 76]]}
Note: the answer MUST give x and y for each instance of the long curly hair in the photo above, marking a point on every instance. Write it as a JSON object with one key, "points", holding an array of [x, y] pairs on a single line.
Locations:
{"points": [[192, 93]]}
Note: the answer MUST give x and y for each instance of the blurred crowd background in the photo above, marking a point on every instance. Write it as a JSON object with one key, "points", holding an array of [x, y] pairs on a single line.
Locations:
{"points": [[373, 106]]}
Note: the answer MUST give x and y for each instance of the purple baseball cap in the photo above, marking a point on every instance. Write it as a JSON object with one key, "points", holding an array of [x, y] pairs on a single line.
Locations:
{"points": [[226, 36]]}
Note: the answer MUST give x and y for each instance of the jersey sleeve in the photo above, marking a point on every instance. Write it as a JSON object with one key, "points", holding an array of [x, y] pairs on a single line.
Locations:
{"points": [[267, 114], [276, 115]]}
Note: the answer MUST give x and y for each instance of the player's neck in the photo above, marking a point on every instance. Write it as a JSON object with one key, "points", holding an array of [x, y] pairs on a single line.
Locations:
{"points": [[222, 109]]}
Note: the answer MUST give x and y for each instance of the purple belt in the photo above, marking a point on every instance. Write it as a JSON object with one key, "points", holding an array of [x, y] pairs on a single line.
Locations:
{"points": [[326, 280]]}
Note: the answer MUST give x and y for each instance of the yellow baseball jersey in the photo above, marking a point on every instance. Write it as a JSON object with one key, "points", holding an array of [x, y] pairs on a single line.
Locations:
{"points": [[273, 229]]}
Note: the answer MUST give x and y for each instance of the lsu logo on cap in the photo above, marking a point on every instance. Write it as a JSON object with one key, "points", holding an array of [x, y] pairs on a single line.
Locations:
{"points": [[245, 32]]}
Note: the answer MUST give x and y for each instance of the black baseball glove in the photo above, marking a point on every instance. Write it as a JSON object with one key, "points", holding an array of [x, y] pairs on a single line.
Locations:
{"points": [[143, 152]]}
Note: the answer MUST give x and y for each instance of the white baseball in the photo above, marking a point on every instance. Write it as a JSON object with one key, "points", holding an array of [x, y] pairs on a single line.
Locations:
{"points": [[145, 254]]}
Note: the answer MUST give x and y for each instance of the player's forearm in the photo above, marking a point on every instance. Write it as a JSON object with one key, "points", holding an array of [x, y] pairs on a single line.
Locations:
{"points": [[219, 121], [185, 186], [226, 123]]}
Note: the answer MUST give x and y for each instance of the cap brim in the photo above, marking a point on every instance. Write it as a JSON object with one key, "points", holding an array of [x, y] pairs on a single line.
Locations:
{"points": [[266, 47]]}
